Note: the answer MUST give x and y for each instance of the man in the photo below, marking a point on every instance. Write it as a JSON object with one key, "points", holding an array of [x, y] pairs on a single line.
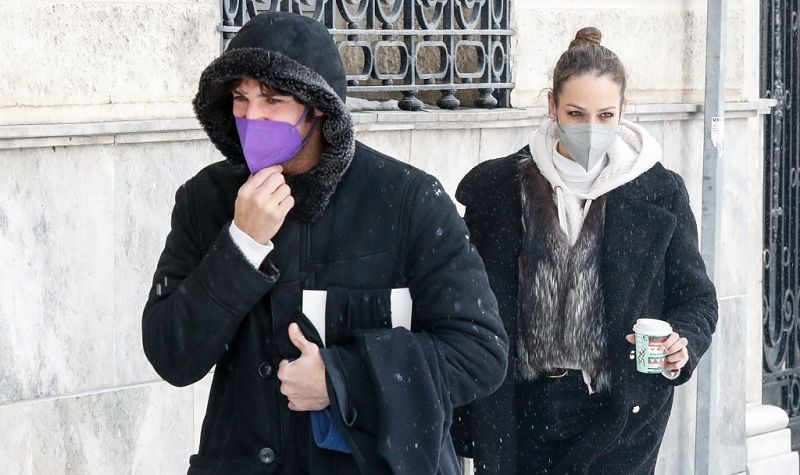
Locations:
{"points": [[298, 208]]}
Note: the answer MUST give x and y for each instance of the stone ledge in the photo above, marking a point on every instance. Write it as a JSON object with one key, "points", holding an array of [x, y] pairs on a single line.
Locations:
{"points": [[183, 129], [768, 442], [771, 444], [786, 464], [96, 128], [761, 419]]}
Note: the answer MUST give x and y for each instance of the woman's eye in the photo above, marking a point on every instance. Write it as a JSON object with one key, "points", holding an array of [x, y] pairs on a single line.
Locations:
{"points": [[607, 115], [273, 100], [574, 113]]}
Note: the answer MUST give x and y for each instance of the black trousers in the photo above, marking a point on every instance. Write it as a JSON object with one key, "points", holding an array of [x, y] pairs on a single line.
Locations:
{"points": [[552, 414]]}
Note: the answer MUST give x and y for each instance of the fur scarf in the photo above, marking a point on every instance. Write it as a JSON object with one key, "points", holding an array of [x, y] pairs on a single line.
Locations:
{"points": [[561, 310]]}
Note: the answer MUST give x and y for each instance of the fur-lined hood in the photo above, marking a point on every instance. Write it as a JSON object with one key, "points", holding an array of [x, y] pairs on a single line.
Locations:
{"points": [[298, 55]]}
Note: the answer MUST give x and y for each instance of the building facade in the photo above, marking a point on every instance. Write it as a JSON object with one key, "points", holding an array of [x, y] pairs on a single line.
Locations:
{"points": [[97, 133]]}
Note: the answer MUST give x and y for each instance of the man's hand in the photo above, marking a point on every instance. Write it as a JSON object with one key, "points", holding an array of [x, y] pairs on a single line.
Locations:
{"points": [[676, 351], [262, 204], [303, 380]]}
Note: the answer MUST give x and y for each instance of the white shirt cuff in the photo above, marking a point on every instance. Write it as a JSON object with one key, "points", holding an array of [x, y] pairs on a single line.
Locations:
{"points": [[669, 374], [255, 252]]}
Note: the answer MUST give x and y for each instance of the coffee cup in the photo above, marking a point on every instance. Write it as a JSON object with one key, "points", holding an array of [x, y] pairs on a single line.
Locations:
{"points": [[650, 335]]}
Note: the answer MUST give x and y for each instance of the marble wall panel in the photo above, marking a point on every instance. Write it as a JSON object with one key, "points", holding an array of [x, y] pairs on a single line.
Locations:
{"points": [[496, 143], [139, 430], [396, 143], [119, 198], [146, 178], [740, 245], [56, 262], [97, 52], [677, 449], [673, 31], [728, 430], [682, 142], [446, 154]]}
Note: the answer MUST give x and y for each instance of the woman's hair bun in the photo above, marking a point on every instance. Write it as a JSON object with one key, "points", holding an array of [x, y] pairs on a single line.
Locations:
{"points": [[587, 36]]}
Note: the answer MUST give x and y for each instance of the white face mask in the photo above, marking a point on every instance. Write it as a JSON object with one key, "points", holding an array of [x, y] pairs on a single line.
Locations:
{"points": [[587, 143]]}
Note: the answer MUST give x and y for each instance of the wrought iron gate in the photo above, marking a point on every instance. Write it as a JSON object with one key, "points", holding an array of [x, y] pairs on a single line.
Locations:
{"points": [[408, 46], [780, 80]]}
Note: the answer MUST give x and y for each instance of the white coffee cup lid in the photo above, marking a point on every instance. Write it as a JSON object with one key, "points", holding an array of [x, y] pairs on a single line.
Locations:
{"points": [[652, 326]]}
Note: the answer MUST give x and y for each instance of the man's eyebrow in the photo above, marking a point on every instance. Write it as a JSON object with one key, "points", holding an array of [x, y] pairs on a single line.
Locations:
{"points": [[269, 91], [263, 92]]}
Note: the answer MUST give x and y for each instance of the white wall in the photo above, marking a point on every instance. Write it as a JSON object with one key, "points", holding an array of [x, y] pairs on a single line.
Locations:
{"points": [[67, 61], [661, 43]]}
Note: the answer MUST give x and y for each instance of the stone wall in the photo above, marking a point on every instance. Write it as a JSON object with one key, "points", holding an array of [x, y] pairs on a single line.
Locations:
{"points": [[86, 223], [661, 43], [67, 61]]}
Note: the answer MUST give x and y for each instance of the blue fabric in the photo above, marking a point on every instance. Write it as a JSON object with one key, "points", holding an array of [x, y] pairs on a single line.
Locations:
{"points": [[326, 433]]}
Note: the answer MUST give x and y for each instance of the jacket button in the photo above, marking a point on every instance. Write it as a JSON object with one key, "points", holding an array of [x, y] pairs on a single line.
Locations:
{"points": [[635, 409], [266, 455], [264, 369]]}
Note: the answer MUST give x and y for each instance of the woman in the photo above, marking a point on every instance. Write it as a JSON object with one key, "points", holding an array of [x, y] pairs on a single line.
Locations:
{"points": [[582, 232]]}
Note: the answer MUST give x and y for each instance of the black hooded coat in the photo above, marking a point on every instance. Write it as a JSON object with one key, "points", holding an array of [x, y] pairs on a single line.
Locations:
{"points": [[362, 224]]}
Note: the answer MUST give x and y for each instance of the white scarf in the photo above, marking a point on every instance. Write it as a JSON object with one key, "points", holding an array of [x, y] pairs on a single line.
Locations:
{"points": [[633, 152]]}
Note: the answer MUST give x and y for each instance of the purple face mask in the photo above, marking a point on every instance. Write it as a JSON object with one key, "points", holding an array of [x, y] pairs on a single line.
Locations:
{"points": [[268, 142]]}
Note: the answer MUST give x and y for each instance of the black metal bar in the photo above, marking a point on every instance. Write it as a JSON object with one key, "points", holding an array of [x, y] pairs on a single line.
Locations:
{"points": [[427, 87], [780, 80], [388, 27]]}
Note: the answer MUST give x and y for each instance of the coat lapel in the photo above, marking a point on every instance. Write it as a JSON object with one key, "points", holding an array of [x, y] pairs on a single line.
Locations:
{"points": [[637, 233], [636, 236]]}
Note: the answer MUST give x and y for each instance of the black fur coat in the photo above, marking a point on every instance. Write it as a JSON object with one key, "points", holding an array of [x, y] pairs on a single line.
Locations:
{"points": [[650, 265]]}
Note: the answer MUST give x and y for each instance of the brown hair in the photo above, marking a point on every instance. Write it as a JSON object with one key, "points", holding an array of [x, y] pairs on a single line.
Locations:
{"points": [[269, 89], [585, 55], [266, 89]]}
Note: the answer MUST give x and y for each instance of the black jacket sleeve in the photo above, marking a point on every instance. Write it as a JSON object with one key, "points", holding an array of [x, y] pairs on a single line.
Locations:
{"points": [[452, 297], [453, 306], [690, 301], [198, 297]]}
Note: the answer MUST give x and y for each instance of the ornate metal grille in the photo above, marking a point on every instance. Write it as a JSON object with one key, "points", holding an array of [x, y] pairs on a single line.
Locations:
{"points": [[408, 46], [780, 79]]}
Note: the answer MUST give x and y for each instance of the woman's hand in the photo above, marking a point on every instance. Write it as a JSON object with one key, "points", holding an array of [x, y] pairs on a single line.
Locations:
{"points": [[676, 351]]}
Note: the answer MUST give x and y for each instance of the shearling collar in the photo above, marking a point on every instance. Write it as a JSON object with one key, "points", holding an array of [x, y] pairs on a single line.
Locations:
{"points": [[213, 106]]}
